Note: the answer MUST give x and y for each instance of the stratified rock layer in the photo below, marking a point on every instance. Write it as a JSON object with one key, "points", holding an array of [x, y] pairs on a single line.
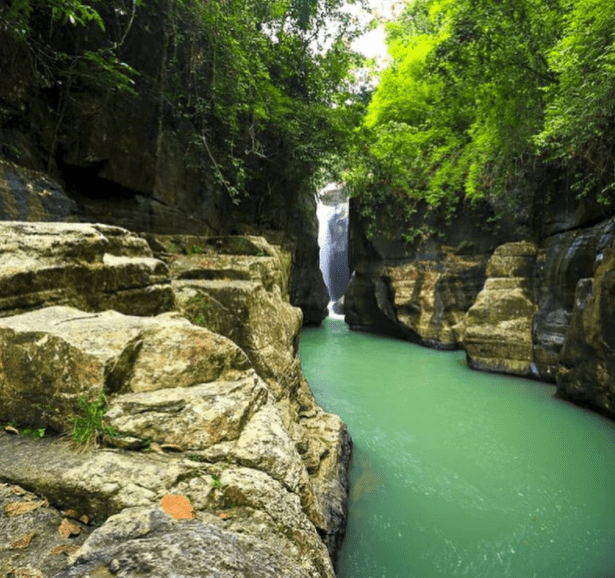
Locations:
{"points": [[225, 423], [497, 329], [538, 308], [92, 267], [419, 291], [586, 373]]}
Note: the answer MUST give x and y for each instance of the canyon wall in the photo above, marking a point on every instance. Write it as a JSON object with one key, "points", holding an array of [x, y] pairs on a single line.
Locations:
{"points": [[531, 297], [98, 155], [171, 362]]}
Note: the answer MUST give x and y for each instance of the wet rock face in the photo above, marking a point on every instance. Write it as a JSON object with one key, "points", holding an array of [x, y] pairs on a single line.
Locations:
{"points": [[522, 319], [563, 261], [538, 309], [27, 195], [586, 373]]}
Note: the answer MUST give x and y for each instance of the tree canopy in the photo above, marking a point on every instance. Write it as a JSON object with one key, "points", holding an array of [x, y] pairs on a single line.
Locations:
{"points": [[479, 93]]}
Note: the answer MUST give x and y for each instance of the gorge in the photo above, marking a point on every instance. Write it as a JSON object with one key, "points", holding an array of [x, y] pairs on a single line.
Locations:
{"points": [[159, 280]]}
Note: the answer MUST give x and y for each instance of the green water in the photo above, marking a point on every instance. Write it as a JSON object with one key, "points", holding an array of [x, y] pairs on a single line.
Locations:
{"points": [[461, 473]]}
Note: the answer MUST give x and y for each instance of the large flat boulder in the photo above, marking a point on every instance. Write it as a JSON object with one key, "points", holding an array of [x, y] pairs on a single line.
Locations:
{"points": [[51, 357], [244, 505], [92, 267]]}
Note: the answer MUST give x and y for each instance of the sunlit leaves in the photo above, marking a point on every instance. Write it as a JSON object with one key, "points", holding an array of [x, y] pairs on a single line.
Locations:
{"points": [[467, 86], [580, 121]]}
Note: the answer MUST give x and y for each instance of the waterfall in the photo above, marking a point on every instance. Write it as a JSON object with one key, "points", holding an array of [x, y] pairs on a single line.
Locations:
{"points": [[332, 214]]}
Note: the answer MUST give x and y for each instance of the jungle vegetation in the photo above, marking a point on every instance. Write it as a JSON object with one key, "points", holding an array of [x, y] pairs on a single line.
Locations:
{"points": [[261, 84], [479, 94]]}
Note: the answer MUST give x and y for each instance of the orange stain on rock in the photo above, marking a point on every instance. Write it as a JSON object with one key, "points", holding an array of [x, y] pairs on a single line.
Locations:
{"points": [[177, 506]]}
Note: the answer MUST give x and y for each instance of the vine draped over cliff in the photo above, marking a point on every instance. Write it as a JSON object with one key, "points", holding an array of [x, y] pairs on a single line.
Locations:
{"points": [[259, 86]]}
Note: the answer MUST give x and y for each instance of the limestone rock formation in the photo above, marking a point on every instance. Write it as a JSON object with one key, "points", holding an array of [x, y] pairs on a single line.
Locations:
{"points": [[417, 291], [563, 261], [586, 373], [92, 267], [242, 501], [522, 318], [235, 434], [56, 355], [497, 330], [27, 195], [238, 287], [31, 539]]}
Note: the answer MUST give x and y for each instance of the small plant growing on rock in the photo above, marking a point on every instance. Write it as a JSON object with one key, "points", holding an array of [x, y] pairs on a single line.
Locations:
{"points": [[35, 433], [88, 427], [215, 481]]}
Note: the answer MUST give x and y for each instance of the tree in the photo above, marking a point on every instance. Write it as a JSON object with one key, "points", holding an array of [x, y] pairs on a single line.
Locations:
{"points": [[579, 132], [260, 83], [456, 113]]}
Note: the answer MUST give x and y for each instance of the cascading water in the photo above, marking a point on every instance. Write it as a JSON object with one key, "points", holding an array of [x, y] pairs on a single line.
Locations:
{"points": [[332, 214]]}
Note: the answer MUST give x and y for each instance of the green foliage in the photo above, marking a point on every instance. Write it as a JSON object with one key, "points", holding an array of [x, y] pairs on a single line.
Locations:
{"points": [[72, 12], [215, 481], [260, 91], [35, 433], [580, 120], [458, 111], [65, 62], [88, 427]]}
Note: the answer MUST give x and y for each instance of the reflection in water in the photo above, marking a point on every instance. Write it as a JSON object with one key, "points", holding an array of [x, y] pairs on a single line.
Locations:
{"points": [[366, 479], [460, 473]]}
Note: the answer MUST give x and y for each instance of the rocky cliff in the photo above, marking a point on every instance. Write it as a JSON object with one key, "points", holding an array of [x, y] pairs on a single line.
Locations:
{"points": [[70, 149], [174, 359], [531, 298]]}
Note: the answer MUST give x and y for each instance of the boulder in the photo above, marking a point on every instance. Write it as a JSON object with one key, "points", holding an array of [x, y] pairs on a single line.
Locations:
{"points": [[244, 503], [51, 357], [259, 321], [146, 541], [497, 329], [92, 267]]}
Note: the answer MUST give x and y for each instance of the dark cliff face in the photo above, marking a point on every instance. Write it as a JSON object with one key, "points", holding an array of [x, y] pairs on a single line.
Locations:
{"points": [[124, 160], [548, 320], [417, 290]]}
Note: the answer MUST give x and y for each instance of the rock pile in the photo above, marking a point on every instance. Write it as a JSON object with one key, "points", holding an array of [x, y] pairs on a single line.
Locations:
{"points": [[215, 454]]}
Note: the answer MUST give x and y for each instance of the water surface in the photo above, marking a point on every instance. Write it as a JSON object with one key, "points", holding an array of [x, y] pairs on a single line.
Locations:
{"points": [[461, 473]]}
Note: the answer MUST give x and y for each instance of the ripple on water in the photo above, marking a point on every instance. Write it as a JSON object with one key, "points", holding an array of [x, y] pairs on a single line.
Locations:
{"points": [[460, 473]]}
